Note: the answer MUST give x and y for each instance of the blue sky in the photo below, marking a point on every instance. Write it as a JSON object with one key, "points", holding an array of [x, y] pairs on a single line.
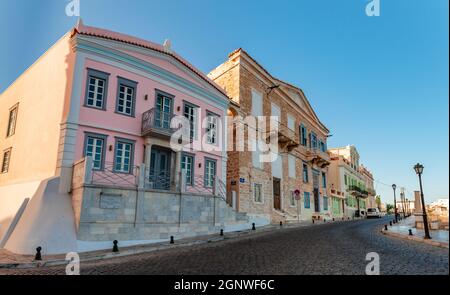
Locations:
{"points": [[380, 83]]}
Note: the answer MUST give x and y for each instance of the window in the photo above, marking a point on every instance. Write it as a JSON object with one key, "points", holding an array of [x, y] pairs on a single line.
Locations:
{"points": [[292, 199], [256, 153], [325, 203], [276, 112], [12, 121], [6, 160], [257, 192], [313, 140], [96, 89], [306, 199], [305, 173], [291, 122], [322, 146], [126, 97], [324, 180], [190, 112], [95, 148], [163, 110], [187, 164], [303, 137], [210, 172], [257, 103], [123, 159], [211, 128], [345, 179], [291, 166]]}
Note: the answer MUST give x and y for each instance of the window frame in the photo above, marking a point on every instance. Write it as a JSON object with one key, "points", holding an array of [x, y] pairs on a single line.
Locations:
{"points": [[132, 150], [96, 74], [208, 115], [261, 192], [215, 171], [11, 110], [324, 180], [307, 196], [304, 165], [193, 134], [192, 156], [130, 84], [303, 135], [292, 199], [103, 137], [325, 203], [9, 152], [292, 158]]}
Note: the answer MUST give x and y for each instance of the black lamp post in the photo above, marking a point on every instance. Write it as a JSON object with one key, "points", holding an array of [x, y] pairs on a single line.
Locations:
{"points": [[395, 203], [419, 169]]}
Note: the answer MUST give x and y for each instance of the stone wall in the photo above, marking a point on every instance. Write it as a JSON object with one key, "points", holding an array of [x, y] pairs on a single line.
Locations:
{"points": [[132, 214]]}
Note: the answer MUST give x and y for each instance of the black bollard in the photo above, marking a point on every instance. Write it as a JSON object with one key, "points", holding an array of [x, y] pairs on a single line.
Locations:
{"points": [[115, 247], [38, 255], [390, 223], [410, 232], [313, 220], [171, 240], [221, 232], [385, 227], [253, 226]]}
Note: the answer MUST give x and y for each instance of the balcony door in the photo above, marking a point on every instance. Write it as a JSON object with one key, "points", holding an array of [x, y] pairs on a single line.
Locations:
{"points": [[316, 191], [163, 111], [159, 174]]}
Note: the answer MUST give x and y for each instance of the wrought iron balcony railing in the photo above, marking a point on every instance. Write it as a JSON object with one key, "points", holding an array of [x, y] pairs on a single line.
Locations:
{"points": [[156, 122]]}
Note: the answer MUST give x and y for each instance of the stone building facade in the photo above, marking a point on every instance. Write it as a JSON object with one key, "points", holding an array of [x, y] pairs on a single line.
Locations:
{"points": [[351, 183], [294, 186]]}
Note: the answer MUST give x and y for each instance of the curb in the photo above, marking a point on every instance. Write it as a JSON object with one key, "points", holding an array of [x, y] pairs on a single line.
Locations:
{"points": [[415, 238]]}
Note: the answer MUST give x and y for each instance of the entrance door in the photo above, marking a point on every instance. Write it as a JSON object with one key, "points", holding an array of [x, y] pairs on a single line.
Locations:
{"points": [[277, 193], [316, 200], [159, 175]]}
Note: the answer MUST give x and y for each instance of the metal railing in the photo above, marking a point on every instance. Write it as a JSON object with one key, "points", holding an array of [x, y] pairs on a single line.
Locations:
{"points": [[110, 176], [157, 121], [158, 179]]}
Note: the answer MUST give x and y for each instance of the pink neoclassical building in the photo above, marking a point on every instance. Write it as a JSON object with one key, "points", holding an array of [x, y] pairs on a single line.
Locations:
{"points": [[86, 154]]}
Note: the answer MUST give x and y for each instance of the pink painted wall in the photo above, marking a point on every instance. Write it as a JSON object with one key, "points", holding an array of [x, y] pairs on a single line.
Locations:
{"points": [[112, 124]]}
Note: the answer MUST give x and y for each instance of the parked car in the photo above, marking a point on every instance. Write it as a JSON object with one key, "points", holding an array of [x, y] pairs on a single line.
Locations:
{"points": [[373, 212]]}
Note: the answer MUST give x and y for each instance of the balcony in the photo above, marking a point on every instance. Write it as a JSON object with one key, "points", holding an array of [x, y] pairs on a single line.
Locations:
{"points": [[371, 191], [357, 191], [318, 157], [287, 139], [157, 123]]}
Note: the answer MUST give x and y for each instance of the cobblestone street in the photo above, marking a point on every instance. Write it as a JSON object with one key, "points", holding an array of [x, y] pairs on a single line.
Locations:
{"points": [[334, 248]]}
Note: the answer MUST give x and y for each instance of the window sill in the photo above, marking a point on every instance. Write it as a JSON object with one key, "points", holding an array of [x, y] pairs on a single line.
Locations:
{"points": [[95, 108]]}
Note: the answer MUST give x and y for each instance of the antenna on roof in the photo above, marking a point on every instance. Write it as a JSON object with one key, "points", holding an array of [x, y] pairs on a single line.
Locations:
{"points": [[167, 45]]}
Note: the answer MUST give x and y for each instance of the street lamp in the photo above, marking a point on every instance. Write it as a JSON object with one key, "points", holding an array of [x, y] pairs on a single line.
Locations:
{"points": [[419, 169], [395, 203]]}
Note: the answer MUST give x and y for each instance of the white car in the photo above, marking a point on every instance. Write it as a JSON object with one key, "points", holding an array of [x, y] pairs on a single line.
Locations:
{"points": [[373, 212]]}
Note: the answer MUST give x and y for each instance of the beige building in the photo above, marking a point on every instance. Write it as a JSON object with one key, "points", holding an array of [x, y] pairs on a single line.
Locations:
{"points": [[294, 186], [351, 183]]}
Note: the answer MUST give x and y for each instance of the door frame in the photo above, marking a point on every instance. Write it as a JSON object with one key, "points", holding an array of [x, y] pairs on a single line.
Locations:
{"points": [[275, 179]]}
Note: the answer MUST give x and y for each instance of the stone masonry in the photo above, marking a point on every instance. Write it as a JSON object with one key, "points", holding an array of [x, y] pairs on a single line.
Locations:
{"points": [[239, 75]]}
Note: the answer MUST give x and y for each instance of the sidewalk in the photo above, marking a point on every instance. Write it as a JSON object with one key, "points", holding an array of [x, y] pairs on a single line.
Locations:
{"points": [[11, 260], [439, 238]]}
